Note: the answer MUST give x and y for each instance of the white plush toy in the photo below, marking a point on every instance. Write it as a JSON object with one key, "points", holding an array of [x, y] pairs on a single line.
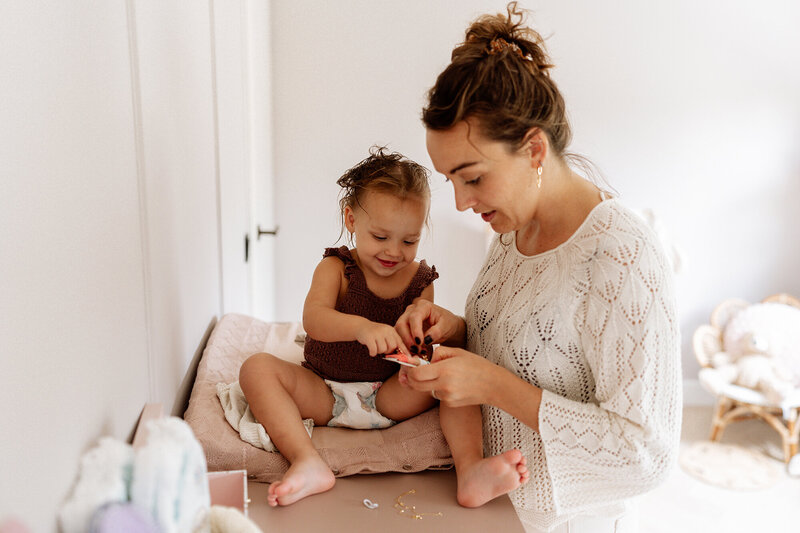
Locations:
{"points": [[159, 487], [761, 350]]}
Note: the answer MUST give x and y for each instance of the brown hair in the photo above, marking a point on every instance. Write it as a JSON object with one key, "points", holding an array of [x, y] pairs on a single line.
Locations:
{"points": [[500, 76], [383, 171]]}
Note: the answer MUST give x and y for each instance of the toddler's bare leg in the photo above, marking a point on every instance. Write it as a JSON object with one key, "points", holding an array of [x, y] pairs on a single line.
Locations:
{"points": [[479, 479], [399, 403], [281, 394]]}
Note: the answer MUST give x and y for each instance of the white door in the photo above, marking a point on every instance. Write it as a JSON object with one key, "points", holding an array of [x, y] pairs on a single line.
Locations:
{"points": [[262, 205], [243, 114]]}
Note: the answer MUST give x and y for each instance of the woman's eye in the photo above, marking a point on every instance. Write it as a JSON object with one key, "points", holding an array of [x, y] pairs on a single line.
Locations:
{"points": [[474, 181]]}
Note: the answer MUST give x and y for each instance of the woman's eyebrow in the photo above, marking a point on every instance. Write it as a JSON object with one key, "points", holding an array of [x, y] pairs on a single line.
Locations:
{"points": [[463, 165]]}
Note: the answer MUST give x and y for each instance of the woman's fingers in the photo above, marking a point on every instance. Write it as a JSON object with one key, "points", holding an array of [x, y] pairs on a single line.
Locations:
{"points": [[403, 326], [451, 374], [411, 323], [442, 326], [446, 352], [422, 376], [404, 331], [399, 344], [416, 332]]}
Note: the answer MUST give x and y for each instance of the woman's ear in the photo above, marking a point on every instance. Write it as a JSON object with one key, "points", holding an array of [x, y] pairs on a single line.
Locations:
{"points": [[536, 145]]}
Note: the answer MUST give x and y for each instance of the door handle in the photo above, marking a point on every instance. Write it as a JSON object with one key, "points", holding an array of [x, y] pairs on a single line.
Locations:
{"points": [[266, 232]]}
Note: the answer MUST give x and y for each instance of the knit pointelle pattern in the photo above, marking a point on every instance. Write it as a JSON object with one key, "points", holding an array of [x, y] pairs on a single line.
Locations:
{"points": [[592, 322]]}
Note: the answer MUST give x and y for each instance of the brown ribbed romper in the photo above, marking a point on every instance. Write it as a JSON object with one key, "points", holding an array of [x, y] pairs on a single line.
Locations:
{"points": [[350, 360]]}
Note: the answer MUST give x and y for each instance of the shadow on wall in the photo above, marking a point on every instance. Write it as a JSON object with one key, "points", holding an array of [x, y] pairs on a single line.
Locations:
{"points": [[185, 389], [787, 212]]}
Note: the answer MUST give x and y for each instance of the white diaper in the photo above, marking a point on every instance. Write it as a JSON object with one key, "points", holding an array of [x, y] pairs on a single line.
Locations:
{"points": [[354, 405]]}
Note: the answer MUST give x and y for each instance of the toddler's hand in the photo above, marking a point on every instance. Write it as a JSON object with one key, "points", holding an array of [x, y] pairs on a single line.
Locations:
{"points": [[380, 339]]}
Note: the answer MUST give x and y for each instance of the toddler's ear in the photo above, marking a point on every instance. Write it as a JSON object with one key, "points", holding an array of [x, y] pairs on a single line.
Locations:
{"points": [[349, 219]]}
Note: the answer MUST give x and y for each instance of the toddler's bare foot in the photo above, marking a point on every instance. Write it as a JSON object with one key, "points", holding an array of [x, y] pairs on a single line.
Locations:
{"points": [[304, 478], [489, 478]]}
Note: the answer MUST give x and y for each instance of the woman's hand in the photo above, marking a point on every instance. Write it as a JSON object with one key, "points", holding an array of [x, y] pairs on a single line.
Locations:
{"points": [[456, 376], [423, 322], [380, 338]]}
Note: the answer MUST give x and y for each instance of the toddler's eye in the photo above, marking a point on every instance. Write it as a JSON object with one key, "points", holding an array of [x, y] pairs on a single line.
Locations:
{"points": [[379, 238], [409, 243]]}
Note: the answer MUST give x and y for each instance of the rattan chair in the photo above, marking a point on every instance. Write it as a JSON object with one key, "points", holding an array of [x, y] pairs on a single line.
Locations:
{"points": [[734, 402]]}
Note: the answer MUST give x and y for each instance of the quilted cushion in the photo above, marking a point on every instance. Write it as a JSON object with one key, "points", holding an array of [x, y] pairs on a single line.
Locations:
{"points": [[410, 446]]}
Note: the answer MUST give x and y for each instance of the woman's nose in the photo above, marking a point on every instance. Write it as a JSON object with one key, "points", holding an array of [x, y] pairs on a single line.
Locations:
{"points": [[464, 200]]}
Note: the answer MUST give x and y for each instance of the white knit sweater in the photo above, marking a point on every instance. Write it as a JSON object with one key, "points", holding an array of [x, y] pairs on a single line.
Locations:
{"points": [[592, 322]]}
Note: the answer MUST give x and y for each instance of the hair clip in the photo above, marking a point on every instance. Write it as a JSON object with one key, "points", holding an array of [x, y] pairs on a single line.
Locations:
{"points": [[498, 44]]}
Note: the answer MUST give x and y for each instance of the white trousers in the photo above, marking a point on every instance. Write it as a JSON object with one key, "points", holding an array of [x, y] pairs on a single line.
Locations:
{"points": [[627, 523]]}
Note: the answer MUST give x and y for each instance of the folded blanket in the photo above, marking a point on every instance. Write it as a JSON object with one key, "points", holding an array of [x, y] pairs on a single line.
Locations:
{"points": [[239, 416]]}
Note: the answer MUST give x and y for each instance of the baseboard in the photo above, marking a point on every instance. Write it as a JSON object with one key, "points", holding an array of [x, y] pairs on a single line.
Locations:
{"points": [[695, 394]]}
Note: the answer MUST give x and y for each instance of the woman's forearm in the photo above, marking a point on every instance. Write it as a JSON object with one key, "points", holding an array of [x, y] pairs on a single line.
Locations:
{"points": [[515, 396]]}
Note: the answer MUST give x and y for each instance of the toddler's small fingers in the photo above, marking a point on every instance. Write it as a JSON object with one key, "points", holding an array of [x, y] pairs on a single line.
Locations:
{"points": [[402, 347], [381, 348]]}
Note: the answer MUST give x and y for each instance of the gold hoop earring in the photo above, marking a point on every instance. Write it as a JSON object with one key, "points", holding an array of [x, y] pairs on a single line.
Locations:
{"points": [[539, 177]]}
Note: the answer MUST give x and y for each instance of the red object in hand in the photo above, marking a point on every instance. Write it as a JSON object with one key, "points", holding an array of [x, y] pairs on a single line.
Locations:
{"points": [[402, 359], [399, 356]]}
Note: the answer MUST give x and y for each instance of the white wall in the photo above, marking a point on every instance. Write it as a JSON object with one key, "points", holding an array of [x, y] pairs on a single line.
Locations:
{"points": [[109, 228], [179, 182], [689, 108], [73, 339]]}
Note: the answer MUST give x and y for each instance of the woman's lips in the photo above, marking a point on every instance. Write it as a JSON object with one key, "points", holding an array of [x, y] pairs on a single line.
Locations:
{"points": [[387, 264], [487, 217]]}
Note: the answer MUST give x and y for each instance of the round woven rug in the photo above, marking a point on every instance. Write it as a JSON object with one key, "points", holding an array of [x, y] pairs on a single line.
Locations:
{"points": [[729, 466]]}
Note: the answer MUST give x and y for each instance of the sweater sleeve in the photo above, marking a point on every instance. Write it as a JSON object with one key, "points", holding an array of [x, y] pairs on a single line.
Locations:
{"points": [[624, 442]]}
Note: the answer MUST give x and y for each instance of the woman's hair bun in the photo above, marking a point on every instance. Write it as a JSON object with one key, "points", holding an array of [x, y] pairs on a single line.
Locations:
{"points": [[500, 76], [506, 35]]}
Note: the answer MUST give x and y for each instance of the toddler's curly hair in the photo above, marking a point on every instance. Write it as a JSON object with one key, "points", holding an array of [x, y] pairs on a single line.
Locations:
{"points": [[383, 171]]}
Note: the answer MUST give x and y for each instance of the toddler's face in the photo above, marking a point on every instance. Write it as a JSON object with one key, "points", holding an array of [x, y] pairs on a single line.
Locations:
{"points": [[387, 230]]}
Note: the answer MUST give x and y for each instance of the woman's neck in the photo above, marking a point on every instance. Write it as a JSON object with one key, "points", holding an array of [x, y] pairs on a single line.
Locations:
{"points": [[564, 201]]}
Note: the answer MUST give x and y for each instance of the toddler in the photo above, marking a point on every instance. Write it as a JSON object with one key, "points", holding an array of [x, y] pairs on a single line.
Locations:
{"points": [[356, 296]]}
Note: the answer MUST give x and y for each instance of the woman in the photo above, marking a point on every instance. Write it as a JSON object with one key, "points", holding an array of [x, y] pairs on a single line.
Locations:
{"points": [[570, 334]]}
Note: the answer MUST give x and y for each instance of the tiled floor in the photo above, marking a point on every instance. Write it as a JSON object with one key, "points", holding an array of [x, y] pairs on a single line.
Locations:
{"points": [[687, 505]]}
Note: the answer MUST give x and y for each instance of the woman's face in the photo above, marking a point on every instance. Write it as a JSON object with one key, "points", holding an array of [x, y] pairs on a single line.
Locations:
{"points": [[487, 177]]}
